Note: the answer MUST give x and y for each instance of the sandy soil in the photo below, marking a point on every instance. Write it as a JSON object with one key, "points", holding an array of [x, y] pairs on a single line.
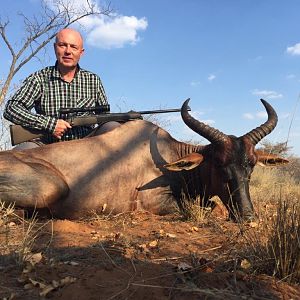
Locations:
{"points": [[134, 256]]}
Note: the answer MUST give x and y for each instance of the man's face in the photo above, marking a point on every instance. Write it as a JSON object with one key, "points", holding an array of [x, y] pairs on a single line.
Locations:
{"points": [[68, 49]]}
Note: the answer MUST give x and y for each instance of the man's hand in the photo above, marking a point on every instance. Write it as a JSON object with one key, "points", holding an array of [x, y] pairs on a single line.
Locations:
{"points": [[60, 128]]}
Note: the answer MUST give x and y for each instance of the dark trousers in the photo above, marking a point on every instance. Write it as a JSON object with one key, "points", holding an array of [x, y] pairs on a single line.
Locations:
{"points": [[101, 129]]}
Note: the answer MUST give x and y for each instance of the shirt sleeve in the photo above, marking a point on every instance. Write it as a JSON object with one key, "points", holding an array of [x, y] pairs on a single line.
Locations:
{"points": [[101, 96], [18, 108]]}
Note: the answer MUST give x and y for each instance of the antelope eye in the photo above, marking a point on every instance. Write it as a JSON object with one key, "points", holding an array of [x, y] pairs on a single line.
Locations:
{"points": [[226, 174]]}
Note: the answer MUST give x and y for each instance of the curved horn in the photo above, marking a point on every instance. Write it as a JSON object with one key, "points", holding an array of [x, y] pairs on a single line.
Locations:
{"points": [[210, 133], [260, 132]]}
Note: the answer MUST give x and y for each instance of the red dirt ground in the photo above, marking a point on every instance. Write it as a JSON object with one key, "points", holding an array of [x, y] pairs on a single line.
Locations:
{"points": [[136, 256]]}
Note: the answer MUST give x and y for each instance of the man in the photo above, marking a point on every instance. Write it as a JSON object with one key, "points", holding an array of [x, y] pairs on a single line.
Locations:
{"points": [[62, 85]]}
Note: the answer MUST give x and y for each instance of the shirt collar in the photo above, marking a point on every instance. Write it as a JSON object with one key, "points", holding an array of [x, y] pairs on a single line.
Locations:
{"points": [[56, 74]]}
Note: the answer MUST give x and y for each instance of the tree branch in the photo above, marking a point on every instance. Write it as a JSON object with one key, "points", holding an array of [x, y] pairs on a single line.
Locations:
{"points": [[4, 37]]}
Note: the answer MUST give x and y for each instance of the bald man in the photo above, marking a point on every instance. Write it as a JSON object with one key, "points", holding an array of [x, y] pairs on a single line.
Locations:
{"points": [[63, 85]]}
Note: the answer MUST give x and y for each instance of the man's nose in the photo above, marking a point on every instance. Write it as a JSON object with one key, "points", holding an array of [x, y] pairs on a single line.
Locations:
{"points": [[68, 49]]}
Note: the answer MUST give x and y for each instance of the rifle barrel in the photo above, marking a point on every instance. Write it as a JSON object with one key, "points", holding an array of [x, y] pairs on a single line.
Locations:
{"points": [[160, 111], [20, 134]]}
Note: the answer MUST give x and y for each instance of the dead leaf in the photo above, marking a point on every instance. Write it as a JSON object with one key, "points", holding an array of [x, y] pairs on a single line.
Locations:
{"points": [[55, 283], [22, 279], [245, 264], [46, 290], [194, 228], [161, 232], [67, 280], [37, 283], [28, 268], [118, 235], [171, 235], [142, 246], [253, 224], [11, 297], [28, 286], [34, 258], [184, 266], [153, 244]]}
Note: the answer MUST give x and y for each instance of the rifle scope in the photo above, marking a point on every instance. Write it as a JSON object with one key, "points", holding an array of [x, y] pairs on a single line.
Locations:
{"points": [[96, 109]]}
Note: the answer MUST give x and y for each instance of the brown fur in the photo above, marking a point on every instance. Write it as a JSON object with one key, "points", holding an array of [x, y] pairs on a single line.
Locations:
{"points": [[121, 170]]}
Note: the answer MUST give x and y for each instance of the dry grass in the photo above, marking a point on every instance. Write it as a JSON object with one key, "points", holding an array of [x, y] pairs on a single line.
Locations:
{"points": [[273, 247], [284, 241], [14, 242], [6, 214], [193, 209]]}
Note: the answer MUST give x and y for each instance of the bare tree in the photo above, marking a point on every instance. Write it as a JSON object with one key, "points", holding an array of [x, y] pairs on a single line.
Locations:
{"points": [[277, 148], [39, 31]]}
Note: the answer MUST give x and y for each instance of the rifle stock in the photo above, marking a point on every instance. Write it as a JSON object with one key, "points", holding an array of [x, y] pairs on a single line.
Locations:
{"points": [[20, 134]]}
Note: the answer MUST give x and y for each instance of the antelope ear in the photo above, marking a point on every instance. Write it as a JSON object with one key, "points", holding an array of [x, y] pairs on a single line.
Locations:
{"points": [[268, 159], [188, 162]]}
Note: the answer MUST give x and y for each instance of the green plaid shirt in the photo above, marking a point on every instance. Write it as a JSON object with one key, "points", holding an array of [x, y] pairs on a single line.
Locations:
{"points": [[47, 92]]}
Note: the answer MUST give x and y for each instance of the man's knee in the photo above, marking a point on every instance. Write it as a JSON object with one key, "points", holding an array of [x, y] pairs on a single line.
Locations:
{"points": [[108, 126], [26, 145]]}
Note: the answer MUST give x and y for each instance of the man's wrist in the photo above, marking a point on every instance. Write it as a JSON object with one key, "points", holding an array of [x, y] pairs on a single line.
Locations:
{"points": [[50, 124]]}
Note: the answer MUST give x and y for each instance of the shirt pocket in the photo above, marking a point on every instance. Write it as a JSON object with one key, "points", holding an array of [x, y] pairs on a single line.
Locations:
{"points": [[86, 102]]}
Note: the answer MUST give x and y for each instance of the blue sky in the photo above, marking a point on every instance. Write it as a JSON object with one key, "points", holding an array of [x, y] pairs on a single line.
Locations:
{"points": [[224, 55]]}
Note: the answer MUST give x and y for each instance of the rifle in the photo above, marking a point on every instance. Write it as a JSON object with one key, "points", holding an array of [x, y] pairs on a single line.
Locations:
{"points": [[97, 114]]}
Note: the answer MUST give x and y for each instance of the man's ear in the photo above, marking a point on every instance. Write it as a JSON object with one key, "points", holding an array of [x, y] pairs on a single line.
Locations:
{"points": [[268, 159], [188, 162], [82, 52]]}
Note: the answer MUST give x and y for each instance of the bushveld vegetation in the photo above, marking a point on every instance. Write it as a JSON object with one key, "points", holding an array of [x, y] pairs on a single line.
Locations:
{"points": [[273, 247]]}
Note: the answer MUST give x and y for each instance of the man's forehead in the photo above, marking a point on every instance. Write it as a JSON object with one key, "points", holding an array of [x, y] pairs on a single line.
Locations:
{"points": [[70, 37]]}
